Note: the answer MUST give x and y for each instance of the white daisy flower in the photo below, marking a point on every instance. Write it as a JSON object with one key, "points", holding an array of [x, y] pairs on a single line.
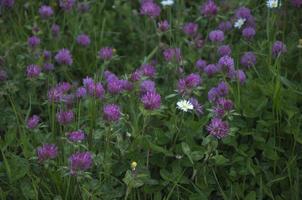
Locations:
{"points": [[184, 105], [273, 3], [239, 23], [167, 2]]}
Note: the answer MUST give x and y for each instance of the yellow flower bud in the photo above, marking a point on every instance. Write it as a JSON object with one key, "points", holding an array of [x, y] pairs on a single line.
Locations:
{"points": [[133, 165]]}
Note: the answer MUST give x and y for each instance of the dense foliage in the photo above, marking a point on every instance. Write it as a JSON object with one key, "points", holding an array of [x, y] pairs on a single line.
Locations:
{"points": [[128, 99]]}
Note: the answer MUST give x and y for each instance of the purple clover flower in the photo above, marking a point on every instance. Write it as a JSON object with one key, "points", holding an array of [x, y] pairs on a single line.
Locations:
{"points": [[171, 54], [33, 121], [55, 30], [211, 69], [216, 36], [112, 113], [163, 26], [148, 70], [66, 5], [106, 53], [218, 128], [76, 136], [209, 8], [248, 33], [33, 42], [224, 50], [81, 92], [64, 57], [296, 3], [200, 64], [96, 90], [150, 9], [147, 86], [83, 40], [190, 29], [278, 48], [80, 161], [3, 75], [83, 7], [193, 80], [227, 63], [151, 100], [222, 89], [197, 106], [46, 152], [33, 71], [65, 117], [248, 59], [45, 12], [7, 3], [225, 26], [48, 67]]}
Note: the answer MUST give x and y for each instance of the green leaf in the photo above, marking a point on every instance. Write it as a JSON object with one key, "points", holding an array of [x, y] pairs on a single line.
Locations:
{"points": [[220, 160], [19, 166], [251, 196], [186, 149]]}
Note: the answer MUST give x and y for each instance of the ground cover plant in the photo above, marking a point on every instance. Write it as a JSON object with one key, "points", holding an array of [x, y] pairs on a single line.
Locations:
{"points": [[129, 99]]}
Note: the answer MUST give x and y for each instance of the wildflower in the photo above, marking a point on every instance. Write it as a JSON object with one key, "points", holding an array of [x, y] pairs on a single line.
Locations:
{"points": [[47, 151], [80, 161], [213, 94], [278, 48], [33, 42], [133, 165], [167, 2], [211, 69], [81, 92], [65, 117], [216, 36], [106, 53], [222, 89], [248, 59], [218, 128], [148, 70], [76, 136], [64, 57], [240, 75], [33, 121], [190, 29], [7, 3], [171, 54], [87, 81], [3, 75], [225, 26], [248, 33], [112, 112], [296, 3], [151, 100], [66, 5], [48, 67], [33, 71], [197, 107], [83, 40], [83, 7], [45, 12], [184, 105], [200, 64], [273, 3], [209, 8], [147, 86], [163, 26], [239, 23], [96, 90], [227, 63], [55, 30], [46, 55], [150, 9], [224, 50], [193, 80]]}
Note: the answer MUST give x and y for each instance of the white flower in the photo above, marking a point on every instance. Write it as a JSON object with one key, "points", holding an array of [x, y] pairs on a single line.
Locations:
{"points": [[239, 23], [273, 3], [167, 2], [184, 105]]}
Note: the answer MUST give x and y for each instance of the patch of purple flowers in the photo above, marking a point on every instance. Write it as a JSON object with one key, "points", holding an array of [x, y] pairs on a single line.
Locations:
{"points": [[46, 152]]}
